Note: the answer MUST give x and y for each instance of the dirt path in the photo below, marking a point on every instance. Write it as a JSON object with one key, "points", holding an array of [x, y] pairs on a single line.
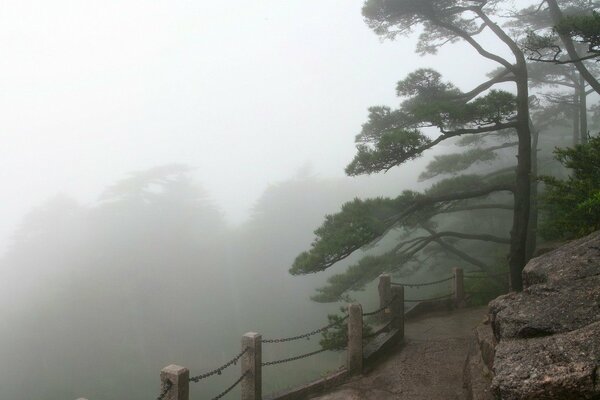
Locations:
{"points": [[428, 366]]}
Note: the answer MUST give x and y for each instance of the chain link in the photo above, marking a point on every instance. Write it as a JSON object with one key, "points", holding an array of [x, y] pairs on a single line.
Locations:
{"points": [[312, 353], [431, 299], [486, 275], [166, 386], [381, 308], [230, 388], [218, 371], [416, 285], [305, 335]]}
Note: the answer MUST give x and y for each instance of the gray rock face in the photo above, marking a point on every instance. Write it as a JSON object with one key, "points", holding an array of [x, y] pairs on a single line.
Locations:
{"points": [[486, 343], [562, 366], [477, 376], [542, 309], [548, 336], [576, 260]]}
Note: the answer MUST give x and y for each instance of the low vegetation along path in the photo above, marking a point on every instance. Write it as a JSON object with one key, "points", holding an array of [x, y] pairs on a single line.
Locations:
{"points": [[427, 366]]}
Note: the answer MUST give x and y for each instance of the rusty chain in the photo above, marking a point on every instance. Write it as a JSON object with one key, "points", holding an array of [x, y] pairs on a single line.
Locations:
{"points": [[305, 335], [230, 388], [430, 299], [486, 275], [367, 314], [312, 353], [417, 285], [166, 386], [218, 371]]}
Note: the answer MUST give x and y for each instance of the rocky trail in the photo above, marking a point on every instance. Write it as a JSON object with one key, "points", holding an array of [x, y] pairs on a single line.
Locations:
{"points": [[428, 365]]}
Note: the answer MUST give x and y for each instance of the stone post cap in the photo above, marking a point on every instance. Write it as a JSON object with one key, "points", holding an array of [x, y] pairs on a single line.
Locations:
{"points": [[174, 369]]}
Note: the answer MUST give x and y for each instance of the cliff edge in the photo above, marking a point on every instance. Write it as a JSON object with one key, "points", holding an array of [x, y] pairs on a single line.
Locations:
{"points": [[545, 341]]}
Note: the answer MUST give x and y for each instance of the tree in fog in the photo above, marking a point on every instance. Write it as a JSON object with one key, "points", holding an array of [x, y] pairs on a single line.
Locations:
{"points": [[109, 282], [549, 69], [392, 137], [575, 29]]}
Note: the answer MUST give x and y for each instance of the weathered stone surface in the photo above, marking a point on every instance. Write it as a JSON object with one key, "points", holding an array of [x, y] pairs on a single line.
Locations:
{"points": [[573, 261], [548, 336], [486, 342], [561, 366], [477, 376], [542, 310]]}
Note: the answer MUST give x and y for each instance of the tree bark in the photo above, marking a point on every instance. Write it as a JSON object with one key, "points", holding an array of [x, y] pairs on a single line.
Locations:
{"points": [[533, 212], [576, 118], [522, 193], [583, 124]]}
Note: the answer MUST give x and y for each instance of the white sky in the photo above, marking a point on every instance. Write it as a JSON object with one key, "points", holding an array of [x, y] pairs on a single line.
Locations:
{"points": [[248, 91]]}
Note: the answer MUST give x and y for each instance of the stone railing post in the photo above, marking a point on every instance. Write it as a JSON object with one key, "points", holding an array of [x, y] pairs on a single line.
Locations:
{"points": [[251, 362], [354, 361], [397, 307], [459, 287], [180, 382], [385, 294]]}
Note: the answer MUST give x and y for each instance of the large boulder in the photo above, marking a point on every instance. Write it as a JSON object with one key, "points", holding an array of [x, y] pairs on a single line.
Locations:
{"points": [[562, 366], [571, 262], [545, 309], [548, 336]]}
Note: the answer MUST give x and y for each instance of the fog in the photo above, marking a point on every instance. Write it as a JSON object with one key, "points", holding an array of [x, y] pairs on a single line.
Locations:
{"points": [[247, 92], [162, 164]]}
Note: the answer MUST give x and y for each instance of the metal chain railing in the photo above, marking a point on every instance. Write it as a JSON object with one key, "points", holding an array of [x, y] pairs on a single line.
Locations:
{"points": [[417, 285], [166, 386], [230, 388], [484, 275], [312, 353], [218, 371], [430, 299], [305, 335], [380, 309]]}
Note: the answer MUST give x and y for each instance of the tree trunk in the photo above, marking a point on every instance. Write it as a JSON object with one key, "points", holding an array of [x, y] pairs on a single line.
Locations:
{"points": [[522, 194], [517, 257], [533, 211], [576, 119], [583, 124]]}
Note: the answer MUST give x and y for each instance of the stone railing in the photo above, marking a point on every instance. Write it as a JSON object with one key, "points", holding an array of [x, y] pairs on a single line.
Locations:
{"points": [[175, 380]]}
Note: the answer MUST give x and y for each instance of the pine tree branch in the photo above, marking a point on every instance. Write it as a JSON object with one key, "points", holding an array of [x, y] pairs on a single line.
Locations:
{"points": [[483, 129], [502, 77], [556, 60], [468, 194], [471, 260], [477, 207], [467, 37], [471, 236]]}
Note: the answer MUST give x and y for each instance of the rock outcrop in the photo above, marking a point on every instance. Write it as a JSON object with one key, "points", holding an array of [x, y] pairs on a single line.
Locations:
{"points": [[548, 336]]}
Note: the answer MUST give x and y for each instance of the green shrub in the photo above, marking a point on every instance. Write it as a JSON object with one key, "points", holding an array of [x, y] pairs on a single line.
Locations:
{"points": [[571, 207]]}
